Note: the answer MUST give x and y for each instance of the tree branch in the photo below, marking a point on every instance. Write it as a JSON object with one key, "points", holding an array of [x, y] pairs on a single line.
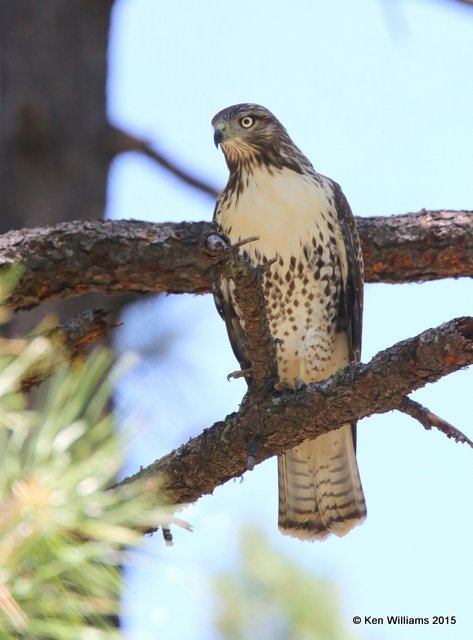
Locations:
{"points": [[122, 141], [74, 258], [249, 297], [130, 256], [277, 422], [70, 338], [416, 247], [429, 420]]}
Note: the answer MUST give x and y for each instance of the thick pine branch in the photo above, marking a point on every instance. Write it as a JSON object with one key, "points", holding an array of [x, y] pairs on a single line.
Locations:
{"points": [[268, 424], [73, 258]]}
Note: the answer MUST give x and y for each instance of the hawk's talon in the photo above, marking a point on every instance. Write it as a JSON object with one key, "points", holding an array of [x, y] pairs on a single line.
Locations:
{"points": [[167, 535], [241, 373], [282, 386]]}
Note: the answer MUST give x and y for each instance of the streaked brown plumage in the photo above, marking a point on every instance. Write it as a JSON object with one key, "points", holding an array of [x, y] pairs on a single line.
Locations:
{"points": [[314, 297]]}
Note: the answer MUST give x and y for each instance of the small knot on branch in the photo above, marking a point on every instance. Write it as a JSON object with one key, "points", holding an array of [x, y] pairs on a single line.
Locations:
{"points": [[253, 452], [215, 245], [465, 327]]}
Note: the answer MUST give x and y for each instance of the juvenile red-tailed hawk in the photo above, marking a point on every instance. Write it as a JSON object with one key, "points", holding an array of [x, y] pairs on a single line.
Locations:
{"points": [[314, 298]]}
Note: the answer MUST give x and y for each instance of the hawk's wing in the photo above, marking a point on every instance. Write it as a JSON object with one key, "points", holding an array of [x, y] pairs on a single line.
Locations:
{"points": [[351, 310], [223, 298]]}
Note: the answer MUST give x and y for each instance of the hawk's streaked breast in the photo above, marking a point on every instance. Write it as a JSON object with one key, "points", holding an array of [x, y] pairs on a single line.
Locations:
{"points": [[293, 216]]}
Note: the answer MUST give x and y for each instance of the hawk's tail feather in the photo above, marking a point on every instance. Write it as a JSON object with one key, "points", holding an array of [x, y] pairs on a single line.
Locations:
{"points": [[320, 489], [298, 512]]}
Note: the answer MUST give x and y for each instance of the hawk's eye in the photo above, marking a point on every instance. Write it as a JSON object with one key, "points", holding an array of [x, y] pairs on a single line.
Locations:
{"points": [[247, 122]]}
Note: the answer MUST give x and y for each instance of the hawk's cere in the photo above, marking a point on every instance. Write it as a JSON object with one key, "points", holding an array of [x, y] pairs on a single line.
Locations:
{"points": [[314, 297]]}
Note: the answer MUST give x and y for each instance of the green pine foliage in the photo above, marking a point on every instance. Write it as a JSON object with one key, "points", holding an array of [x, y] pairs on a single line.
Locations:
{"points": [[63, 533]]}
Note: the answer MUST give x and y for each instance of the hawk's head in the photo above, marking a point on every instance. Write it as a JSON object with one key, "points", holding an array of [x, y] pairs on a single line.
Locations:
{"points": [[249, 133], [251, 136]]}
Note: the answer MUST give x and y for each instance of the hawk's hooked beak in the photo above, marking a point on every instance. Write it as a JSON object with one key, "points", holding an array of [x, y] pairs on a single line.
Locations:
{"points": [[218, 137]]}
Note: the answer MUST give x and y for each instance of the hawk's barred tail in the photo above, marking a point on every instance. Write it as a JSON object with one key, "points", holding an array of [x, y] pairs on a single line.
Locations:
{"points": [[320, 489]]}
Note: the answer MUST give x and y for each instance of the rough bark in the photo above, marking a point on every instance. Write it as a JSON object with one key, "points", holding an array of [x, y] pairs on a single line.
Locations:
{"points": [[73, 258], [109, 256], [268, 424], [418, 246]]}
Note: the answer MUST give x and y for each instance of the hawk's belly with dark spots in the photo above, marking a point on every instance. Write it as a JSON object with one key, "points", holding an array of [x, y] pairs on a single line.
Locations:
{"points": [[292, 217]]}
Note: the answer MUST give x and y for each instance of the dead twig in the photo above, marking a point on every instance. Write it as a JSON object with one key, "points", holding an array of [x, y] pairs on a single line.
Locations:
{"points": [[122, 141], [428, 420]]}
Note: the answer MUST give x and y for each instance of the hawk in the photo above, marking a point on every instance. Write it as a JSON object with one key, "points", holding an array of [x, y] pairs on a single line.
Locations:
{"points": [[313, 295]]}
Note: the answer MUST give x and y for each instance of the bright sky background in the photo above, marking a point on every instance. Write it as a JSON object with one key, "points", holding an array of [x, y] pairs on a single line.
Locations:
{"points": [[379, 95]]}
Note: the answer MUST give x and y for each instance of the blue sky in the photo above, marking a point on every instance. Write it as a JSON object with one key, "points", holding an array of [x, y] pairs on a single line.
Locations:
{"points": [[378, 94]]}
